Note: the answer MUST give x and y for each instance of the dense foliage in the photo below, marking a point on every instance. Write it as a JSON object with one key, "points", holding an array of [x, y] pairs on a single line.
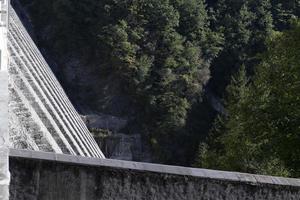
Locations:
{"points": [[245, 25], [160, 50], [172, 57], [260, 132]]}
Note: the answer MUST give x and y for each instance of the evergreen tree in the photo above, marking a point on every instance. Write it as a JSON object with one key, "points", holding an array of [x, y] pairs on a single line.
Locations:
{"points": [[228, 147], [260, 133], [159, 50], [245, 25], [283, 11], [160, 54]]}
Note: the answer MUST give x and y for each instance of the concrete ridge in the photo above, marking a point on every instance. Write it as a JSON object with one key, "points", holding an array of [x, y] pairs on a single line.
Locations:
{"points": [[156, 168], [55, 124]]}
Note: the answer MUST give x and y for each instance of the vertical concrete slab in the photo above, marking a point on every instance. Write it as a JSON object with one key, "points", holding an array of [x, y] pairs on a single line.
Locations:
{"points": [[4, 170], [4, 135], [83, 185]]}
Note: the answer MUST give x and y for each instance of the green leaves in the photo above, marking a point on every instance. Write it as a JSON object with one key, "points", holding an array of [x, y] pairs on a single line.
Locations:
{"points": [[260, 132], [284, 11], [162, 53], [245, 25]]}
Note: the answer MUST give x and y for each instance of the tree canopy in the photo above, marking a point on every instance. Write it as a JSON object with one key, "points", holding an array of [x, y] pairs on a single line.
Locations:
{"points": [[174, 59], [260, 132]]}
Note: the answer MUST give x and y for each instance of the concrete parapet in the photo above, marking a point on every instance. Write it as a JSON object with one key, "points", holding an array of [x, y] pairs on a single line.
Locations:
{"points": [[48, 176]]}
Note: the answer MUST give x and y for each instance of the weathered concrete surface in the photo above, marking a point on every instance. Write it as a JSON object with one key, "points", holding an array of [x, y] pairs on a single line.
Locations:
{"points": [[47, 176], [41, 117], [3, 108], [4, 173]]}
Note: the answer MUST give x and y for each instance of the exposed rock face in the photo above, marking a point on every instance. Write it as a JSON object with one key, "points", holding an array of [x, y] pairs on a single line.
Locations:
{"points": [[107, 131], [107, 122], [106, 179], [125, 147]]}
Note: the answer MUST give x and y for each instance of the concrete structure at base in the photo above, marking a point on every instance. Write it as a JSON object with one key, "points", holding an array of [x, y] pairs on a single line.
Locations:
{"points": [[48, 176]]}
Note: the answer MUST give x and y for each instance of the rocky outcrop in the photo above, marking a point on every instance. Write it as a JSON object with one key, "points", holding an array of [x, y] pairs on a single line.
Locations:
{"points": [[121, 146], [106, 122], [107, 131]]}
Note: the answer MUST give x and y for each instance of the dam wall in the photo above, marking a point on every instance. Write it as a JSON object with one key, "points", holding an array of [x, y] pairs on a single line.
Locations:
{"points": [[50, 176], [41, 116]]}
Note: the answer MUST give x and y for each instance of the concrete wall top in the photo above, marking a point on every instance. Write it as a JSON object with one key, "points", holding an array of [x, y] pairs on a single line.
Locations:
{"points": [[156, 168]]}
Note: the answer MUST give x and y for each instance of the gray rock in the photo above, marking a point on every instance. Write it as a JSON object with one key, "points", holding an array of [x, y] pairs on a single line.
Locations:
{"points": [[126, 147], [109, 122]]}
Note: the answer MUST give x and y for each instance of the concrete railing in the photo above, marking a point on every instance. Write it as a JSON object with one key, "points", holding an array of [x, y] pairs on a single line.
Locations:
{"points": [[91, 178]]}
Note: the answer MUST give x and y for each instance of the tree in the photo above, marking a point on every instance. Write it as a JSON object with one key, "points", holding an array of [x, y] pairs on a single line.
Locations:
{"points": [[245, 25], [284, 11], [228, 144], [158, 56], [159, 50], [260, 133]]}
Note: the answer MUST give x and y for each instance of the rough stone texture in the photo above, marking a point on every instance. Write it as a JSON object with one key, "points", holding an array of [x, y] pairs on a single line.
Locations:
{"points": [[107, 131], [41, 117], [124, 147], [45, 176], [3, 108], [4, 173], [109, 122]]}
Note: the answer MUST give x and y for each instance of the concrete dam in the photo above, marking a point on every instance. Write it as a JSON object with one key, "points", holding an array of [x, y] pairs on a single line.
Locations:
{"points": [[47, 152], [41, 116]]}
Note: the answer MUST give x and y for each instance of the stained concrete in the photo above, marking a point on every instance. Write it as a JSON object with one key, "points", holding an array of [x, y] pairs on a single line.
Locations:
{"points": [[48, 176], [4, 174], [3, 107], [41, 117]]}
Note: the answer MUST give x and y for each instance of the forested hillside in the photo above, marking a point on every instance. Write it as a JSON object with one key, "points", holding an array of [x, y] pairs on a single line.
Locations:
{"points": [[164, 65], [260, 131]]}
